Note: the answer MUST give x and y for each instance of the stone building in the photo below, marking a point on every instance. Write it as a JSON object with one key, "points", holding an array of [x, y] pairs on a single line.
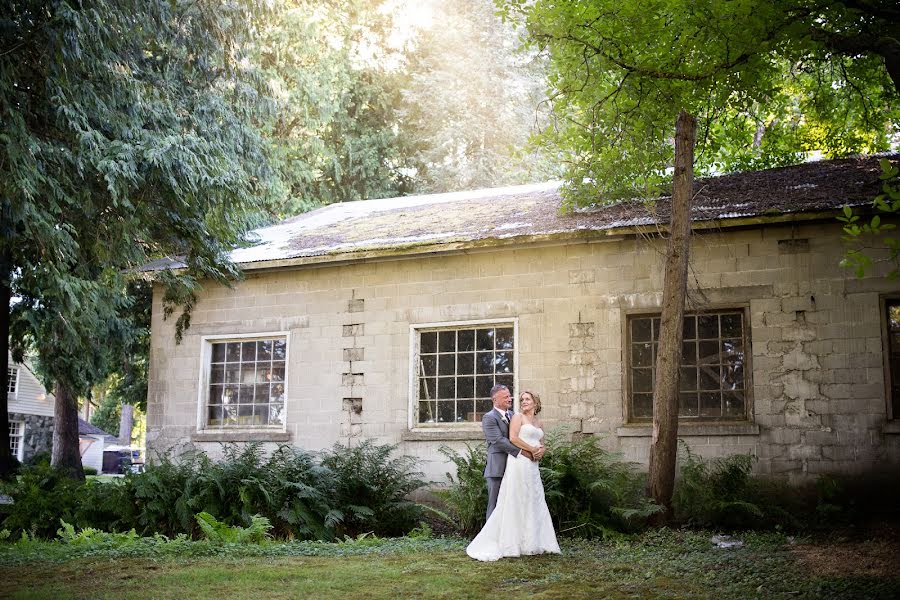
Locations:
{"points": [[30, 410], [391, 319]]}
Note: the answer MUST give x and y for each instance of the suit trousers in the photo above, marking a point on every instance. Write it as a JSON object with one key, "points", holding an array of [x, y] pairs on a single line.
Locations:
{"points": [[493, 486]]}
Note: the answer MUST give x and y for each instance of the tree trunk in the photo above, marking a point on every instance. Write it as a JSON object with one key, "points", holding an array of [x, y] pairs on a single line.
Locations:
{"points": [[664, 441], [66, 453], [126, 420], [6, 457]]}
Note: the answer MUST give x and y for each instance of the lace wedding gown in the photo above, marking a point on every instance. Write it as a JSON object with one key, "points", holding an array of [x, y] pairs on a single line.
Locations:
{"points": [[520, 524]]}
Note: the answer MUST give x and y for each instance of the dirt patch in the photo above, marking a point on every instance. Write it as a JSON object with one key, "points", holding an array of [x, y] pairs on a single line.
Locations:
{"points": [[869, 558]]}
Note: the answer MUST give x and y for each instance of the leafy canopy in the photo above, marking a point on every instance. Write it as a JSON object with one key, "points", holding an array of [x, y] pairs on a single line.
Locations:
{"points": [[768, 81], [129, 133]]}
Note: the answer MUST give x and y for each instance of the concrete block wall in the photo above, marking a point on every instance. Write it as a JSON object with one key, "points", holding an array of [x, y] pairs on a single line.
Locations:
{"points": [[818, 398]]}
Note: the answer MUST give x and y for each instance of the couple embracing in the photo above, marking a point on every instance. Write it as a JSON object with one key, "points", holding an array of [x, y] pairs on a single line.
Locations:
{"points": [[518, 521]]}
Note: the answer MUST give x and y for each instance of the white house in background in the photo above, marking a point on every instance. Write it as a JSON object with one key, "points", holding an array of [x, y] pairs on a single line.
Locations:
{"points": [[30, 409], [93, 442]]}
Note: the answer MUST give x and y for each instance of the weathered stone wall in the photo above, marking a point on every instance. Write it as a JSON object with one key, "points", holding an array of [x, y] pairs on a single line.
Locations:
{"points": [[818, 397], [38, 435]]}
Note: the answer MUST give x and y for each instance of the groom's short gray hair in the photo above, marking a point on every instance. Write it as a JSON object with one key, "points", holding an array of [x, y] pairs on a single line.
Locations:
{"points": [[497, 388]]}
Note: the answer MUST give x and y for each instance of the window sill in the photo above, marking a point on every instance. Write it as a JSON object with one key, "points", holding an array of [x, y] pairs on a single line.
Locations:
{"points": [[891, 427], [240, 436], [442, 435], [690, 429]]}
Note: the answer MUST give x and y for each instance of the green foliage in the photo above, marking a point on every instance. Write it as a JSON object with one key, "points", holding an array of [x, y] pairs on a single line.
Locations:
{"points": [[768, 81], [467, 494], [590, 492], [874, 239], [371, 489], [466, 69], [107, 415], [91, 536], [334, 133], [256, 533], [350, 491], [723, 493], [42, 496], [91, 190]]}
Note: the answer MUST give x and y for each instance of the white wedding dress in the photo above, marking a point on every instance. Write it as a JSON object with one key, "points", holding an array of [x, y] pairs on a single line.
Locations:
{"points": [[520, 524]]}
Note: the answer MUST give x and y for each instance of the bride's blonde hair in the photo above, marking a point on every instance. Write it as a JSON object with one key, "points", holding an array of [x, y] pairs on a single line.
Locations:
{"points": [[535, 397]]}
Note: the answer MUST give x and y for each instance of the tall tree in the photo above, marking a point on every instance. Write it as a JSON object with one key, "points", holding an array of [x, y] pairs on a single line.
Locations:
{"points": [[766, 80], [336, 80], [129, 132], [472, 101]]}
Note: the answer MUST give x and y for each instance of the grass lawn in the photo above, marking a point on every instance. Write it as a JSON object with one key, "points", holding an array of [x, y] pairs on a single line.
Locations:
{"points": [[659, 564]]}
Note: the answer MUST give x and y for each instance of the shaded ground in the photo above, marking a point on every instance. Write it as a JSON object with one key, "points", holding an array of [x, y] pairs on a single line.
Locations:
{"points": [[872, 550], [657, 565]]}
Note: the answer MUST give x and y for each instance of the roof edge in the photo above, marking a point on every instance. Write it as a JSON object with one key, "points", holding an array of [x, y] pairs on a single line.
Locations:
{"points": [[547, 239]]}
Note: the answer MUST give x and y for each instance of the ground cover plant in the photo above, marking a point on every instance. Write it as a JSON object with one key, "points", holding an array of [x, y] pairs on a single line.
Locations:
{"points": [[660, 564]]}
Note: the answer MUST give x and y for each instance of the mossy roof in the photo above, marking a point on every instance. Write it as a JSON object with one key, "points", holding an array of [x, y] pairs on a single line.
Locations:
{"points": [[532, 213]]}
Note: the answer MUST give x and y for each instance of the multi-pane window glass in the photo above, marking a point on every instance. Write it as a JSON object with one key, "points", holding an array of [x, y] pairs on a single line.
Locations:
{"points": [[458, 367], [16, 433], [12, 376], [246, 383], [712, 377], [893, 324]]}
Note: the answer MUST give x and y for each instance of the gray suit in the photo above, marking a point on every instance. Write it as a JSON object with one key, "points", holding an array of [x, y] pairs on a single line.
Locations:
{"points": [[496, 432]]}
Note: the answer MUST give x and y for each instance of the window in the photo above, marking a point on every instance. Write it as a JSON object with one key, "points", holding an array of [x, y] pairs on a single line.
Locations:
{"points": [[713, 380], [246, 384], [455, 369], [16, 435], [12, 380], [892, 312]]}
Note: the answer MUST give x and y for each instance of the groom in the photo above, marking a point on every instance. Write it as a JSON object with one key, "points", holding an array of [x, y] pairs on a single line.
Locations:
{"points": [[495, 424]]}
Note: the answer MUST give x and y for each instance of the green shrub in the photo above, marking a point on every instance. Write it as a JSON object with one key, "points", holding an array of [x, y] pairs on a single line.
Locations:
{"points": [[42, 496], [724, 494], [288, 488], [88, 471], [300, 505], [466, 496], [165, 494], [106, 505], [590, 492], [371, 489]]}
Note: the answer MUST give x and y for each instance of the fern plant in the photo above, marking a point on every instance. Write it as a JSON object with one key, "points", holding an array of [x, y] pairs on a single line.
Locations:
{"points": [[590, 491], [222, 533], [723, 493], [372, 488], [466, 496]]}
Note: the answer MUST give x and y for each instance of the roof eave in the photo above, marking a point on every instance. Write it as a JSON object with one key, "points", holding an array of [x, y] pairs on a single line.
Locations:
{"points": [[512, 242]]}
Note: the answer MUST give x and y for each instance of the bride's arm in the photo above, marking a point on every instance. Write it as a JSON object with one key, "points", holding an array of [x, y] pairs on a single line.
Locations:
{"points": [[514, 426]]}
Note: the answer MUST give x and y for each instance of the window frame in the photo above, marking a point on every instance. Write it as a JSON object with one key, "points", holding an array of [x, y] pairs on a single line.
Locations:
{"points": [[742, 307], [15, 391], [886, 356], [206, 343], [20, 436], [413, 384]]}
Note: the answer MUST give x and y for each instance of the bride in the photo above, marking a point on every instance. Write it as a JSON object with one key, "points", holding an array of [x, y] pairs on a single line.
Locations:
{"points": [[521, 524]]}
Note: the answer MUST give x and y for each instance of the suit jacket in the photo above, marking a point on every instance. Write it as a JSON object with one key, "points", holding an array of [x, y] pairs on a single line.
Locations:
{"points": [[496, 432]]}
